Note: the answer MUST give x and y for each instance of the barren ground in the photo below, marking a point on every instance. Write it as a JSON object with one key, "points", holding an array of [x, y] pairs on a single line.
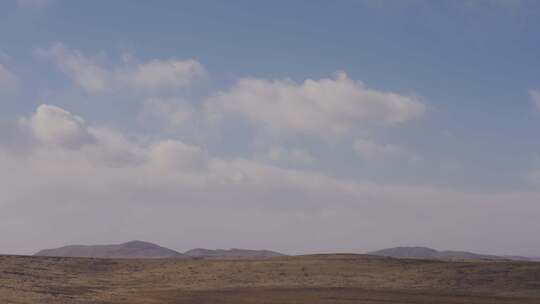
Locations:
{"points": [[314, 279]]}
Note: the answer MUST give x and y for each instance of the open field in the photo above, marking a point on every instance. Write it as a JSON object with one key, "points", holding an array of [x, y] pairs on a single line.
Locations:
{"points": [[313, 279]]}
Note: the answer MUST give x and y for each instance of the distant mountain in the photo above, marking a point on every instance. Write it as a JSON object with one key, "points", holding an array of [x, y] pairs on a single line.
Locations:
{"points": [[522, 258], [208, 253], [429, 253], [133, 249]]}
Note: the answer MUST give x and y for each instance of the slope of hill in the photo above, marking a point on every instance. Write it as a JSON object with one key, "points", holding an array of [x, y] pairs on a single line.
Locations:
{"points": [[429, 253], [133, 249], [234, 252], [407, 252]]}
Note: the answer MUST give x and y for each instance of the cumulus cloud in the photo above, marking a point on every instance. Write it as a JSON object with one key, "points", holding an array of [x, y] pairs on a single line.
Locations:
{"points": [[52, 130], [535, 98], [7, 78], [325, 107], [155, 74], [371, 150], [54, 125], [57, 131]]}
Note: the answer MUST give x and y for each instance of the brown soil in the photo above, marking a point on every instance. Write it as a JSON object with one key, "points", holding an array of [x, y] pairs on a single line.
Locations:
{"points": [[314, 279]]}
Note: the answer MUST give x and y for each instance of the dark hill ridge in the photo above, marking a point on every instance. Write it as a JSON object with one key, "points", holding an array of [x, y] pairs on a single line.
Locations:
{"points": [[145, 250], [133, 249], [234, 252], [429, 253]]}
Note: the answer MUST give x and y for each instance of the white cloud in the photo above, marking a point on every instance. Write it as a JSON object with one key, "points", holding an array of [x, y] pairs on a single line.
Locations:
{"points": [[173, 113], [58, 131], [53, 125], [320, 108], [84, 71], [155, 74], [535, 98], [7, 78], [55, 130], [370, 150], [175, 155], [113, 149], [176, 117], [176, 194]]}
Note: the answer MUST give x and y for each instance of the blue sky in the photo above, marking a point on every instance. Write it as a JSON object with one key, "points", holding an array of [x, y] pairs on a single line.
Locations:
{"points": [[462, 121]]}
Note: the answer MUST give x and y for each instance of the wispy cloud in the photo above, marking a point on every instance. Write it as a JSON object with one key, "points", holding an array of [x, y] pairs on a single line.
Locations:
{"points": [[92, 76], [7, 78]]}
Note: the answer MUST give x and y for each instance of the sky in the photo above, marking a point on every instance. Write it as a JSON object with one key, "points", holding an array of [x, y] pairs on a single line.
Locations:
{"points": [[297, 126]]}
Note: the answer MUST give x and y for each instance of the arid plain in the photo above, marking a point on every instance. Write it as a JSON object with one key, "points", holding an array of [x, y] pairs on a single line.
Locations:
{"points": [[313, 279]]}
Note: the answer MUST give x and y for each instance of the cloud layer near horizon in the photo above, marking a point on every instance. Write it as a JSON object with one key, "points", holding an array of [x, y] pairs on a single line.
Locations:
{"points": [[106, 187]]}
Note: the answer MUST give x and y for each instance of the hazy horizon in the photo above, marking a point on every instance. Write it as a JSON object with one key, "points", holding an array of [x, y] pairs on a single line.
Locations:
{"points": [[294, 126]]}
